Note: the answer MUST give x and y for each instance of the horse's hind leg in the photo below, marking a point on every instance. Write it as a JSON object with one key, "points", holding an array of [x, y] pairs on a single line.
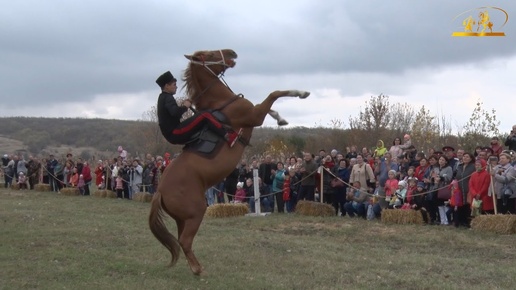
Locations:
{"points": [[191, 226]]}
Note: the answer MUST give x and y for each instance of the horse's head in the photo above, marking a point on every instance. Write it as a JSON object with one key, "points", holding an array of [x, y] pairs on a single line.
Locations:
{"points": [[217, 60], [202, 76]]}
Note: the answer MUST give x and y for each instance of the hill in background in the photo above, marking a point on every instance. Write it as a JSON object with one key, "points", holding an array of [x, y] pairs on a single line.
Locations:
{"points": [[100, 138]]}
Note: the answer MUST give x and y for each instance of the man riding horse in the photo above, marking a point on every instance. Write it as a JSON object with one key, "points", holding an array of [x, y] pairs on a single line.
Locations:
{"points": [[170, 113]]}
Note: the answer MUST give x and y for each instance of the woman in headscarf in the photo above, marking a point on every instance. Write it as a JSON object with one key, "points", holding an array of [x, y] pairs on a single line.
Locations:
{"points": [[380, 149]]}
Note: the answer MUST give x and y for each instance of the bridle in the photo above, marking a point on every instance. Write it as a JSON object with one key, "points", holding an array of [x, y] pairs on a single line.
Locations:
{"points": [[206, 65]]}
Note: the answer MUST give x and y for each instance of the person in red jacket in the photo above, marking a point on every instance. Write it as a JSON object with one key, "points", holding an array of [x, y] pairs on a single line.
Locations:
{"points": [[99, 175], [479, 183], [86, 173]]}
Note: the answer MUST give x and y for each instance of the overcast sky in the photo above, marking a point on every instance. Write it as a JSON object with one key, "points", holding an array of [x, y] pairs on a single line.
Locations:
{"points": [[99, 59]]}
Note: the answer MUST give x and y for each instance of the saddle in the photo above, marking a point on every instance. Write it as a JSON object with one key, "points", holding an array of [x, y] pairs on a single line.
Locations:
{"points": [[205, 142]]}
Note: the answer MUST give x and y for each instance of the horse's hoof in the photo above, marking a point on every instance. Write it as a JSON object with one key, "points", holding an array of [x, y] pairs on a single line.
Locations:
{"points": [[282, 122], [304, 95], [198, 271]]}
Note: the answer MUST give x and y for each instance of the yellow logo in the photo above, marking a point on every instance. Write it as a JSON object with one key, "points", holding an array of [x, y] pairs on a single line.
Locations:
{"points": [[482, 23]]}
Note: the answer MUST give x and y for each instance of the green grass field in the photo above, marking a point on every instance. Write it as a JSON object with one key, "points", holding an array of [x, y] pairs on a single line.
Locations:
{"points": [[49, 241]]}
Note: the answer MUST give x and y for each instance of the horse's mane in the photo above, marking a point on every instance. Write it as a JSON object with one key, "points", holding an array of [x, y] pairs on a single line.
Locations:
{"points": [[190, 85]]}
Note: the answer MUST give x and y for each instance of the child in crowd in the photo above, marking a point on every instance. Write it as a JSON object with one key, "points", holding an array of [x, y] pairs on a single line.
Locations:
{"points": [[240, 193], [418, 199], [455, 202], [398, 198], [294, 184], [81, 184], [390, 185], [374, 202], [412, 187], [286, 190], [119, 185], [411, 171], [74, 178], [22, 180], [476, 206]]}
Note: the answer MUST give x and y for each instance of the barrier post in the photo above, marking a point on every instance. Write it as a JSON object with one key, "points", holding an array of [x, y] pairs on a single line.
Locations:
{"points": [[321, 191], [257, 207]]}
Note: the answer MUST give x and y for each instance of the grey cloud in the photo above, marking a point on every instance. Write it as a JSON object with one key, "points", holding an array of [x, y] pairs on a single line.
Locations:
{"points": [[62, 51]]}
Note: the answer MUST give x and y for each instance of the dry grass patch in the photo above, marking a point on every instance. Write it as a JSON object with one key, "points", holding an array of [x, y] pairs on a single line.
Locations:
{"points": [[42, 187], [50, 242], [142, 197]]}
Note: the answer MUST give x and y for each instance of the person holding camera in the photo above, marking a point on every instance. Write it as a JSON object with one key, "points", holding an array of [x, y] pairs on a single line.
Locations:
{"points": [[511, 139]]}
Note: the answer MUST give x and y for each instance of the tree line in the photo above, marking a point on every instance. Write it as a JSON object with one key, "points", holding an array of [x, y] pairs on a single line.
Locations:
{"points": [[378, 119]]}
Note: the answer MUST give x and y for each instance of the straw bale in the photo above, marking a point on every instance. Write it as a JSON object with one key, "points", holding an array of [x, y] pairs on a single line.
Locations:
{"points": [[402, 216], [70, 191], [227, 210], [501, 223], [97, 193], [312, 208], [42, 187], [15, 186], [110, 194]]}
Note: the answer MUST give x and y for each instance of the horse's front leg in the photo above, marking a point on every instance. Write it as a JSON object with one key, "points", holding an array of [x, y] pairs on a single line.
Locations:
{"points": [[261, 110]]}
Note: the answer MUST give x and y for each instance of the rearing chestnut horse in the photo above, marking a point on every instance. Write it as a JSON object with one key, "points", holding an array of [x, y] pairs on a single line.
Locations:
{"points": [[182, 186]]}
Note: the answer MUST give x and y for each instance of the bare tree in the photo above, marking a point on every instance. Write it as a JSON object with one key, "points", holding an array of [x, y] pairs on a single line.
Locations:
{"points": [[482, 125], [424, 130], [402, 118], [375, 115]]}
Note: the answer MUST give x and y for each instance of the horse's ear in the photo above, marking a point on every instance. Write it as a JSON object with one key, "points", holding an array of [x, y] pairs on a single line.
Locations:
{"points": [[192, 57]]}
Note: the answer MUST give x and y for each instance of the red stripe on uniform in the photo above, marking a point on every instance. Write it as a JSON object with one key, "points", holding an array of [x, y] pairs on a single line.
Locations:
{"points": [[195, 122]]}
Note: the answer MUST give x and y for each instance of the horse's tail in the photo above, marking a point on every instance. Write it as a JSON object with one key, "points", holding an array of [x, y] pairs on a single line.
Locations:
{"points": [[160, 231]]}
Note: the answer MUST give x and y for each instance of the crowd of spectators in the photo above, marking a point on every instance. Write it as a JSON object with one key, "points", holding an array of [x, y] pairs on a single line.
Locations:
{"points": [[449, 186], [121, 174]]}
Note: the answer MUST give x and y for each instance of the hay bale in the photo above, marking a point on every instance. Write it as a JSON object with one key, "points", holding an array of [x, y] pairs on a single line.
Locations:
{"points": [[402, 216], [70, 191], [312, 208], [227, 210], [42, 187], [15, 186], [501, 223], [110, 194], [97, 193], [142, 197]]}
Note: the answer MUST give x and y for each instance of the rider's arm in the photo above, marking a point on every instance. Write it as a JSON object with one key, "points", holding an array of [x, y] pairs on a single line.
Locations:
{"points": [[173, 109]]}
